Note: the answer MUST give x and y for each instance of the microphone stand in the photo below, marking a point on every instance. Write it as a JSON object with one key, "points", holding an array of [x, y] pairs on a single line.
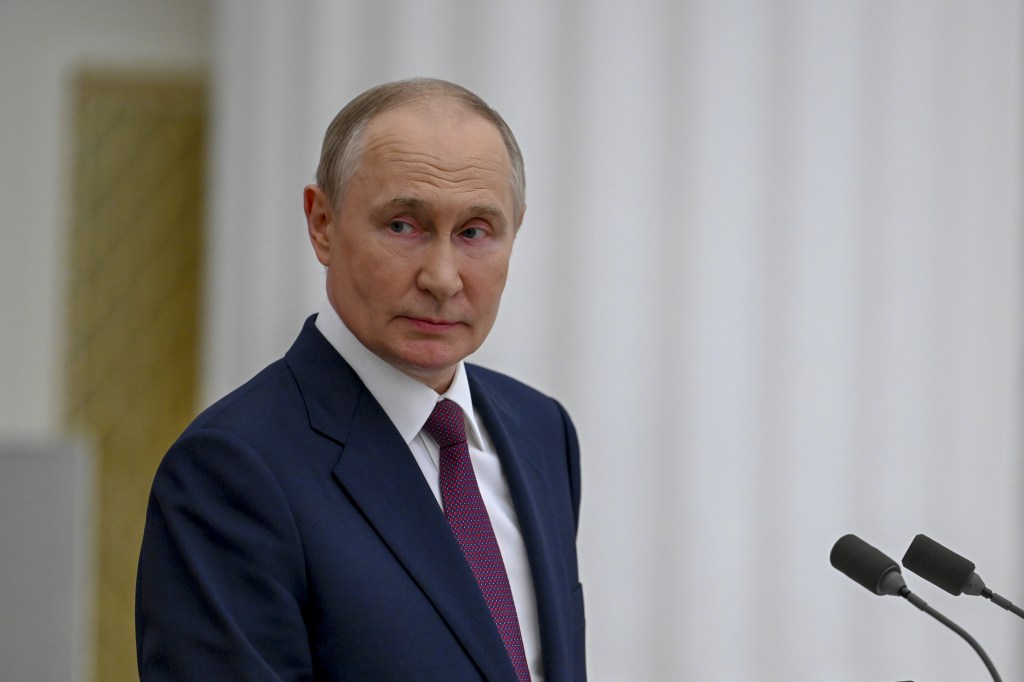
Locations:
{"points": [[1002, 601], [921, 604]]}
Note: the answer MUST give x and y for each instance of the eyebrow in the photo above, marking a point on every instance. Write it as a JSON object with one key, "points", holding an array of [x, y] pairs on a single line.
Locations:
{"points": [[399, 203], [410, 203]]}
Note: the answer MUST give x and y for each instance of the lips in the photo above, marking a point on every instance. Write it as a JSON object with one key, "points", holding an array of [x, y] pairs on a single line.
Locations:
{"points": [[431, 325]]}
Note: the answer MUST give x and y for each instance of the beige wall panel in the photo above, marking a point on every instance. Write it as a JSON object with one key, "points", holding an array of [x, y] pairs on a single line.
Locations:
{"points": [[133, 307]]}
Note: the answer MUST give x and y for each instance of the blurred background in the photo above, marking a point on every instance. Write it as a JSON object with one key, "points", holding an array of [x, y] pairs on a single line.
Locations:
{"points": [[773, 264]]}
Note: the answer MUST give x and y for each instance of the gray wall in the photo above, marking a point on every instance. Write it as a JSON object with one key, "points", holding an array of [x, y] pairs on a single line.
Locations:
{"points": [[46, 571]]}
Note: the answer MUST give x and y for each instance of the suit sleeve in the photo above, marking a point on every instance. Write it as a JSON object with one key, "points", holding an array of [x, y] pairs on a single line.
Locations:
{"points": [[221, 579], [578, 641], [573, 463]]}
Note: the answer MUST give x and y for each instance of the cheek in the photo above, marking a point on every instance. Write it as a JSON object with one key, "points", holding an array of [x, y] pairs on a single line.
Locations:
{"points": [[489, 283], [380, 281], [359, 264]]}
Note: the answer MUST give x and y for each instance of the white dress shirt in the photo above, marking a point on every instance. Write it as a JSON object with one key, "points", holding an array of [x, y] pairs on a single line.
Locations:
{"points": [[408, 403]]}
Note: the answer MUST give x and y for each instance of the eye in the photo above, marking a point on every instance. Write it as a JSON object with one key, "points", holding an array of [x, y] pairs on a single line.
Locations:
{"points": [[400, 227], [474, 233]]}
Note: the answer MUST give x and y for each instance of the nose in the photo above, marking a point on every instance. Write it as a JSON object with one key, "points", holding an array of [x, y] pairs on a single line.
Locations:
{"points": [[439, 272]]}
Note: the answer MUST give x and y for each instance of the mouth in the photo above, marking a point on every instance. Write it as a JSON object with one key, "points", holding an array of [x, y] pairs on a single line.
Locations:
{"points": [[430, 325]]}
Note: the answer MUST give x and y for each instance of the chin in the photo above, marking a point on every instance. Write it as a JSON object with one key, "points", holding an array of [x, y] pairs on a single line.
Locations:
{"points": [[434, 355], [430, 364]]}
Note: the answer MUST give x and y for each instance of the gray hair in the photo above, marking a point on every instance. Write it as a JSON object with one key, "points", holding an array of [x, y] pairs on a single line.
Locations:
{"points": [[343, 141]]}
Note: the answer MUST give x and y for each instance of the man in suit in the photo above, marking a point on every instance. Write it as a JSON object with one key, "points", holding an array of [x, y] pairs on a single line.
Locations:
{"points": [[371, 507]]}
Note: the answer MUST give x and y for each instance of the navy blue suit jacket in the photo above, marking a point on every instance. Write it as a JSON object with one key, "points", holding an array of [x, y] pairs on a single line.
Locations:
{"points": [[290, 535]]}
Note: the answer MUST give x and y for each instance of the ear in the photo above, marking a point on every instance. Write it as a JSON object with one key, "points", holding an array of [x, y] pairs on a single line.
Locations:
{"points": [[319, 216]]}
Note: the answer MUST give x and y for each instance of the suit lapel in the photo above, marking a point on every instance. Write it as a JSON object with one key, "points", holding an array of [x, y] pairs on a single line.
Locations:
{"points": [[381, 477], [518, 452]]}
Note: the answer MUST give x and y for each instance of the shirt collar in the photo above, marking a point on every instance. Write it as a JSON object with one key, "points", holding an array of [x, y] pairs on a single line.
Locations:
{"points": [[406, 401]]}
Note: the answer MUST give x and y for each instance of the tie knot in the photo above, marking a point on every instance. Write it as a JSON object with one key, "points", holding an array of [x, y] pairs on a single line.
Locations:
{"points": [[445, 424]]}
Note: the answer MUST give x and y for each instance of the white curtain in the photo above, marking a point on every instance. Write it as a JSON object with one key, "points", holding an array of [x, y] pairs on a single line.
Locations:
{"points": [[773, 264]]}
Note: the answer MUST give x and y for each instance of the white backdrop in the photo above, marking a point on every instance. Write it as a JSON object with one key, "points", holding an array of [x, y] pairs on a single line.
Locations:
{"points": [[773, 264]]}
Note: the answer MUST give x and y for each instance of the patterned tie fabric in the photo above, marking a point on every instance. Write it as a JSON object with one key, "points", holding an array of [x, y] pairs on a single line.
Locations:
{"points": [[466, 514]]}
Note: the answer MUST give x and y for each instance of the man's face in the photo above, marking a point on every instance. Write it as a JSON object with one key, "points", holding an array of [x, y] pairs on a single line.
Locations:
{"points": [[417, 252]]}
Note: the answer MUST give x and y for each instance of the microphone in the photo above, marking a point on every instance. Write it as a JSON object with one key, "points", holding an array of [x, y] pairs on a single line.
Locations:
{"points": [[867, 566], [950, 571], [876, 572]]}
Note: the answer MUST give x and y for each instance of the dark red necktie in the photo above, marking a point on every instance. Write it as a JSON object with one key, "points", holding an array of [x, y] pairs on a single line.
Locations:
{"points": [[466, 514]]}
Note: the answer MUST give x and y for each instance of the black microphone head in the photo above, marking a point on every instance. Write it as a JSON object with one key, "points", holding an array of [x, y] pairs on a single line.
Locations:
{"points": [[866, 566], [936, 564]]}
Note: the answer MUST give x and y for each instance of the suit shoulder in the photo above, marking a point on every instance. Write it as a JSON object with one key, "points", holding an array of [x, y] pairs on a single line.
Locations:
{"points": [[262, 423], [517, 396], [505, 385], [266, 394]]}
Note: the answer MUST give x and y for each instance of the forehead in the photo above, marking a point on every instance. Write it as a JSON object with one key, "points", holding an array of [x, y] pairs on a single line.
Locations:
{"points": [[428, 120], [437, 145]]}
